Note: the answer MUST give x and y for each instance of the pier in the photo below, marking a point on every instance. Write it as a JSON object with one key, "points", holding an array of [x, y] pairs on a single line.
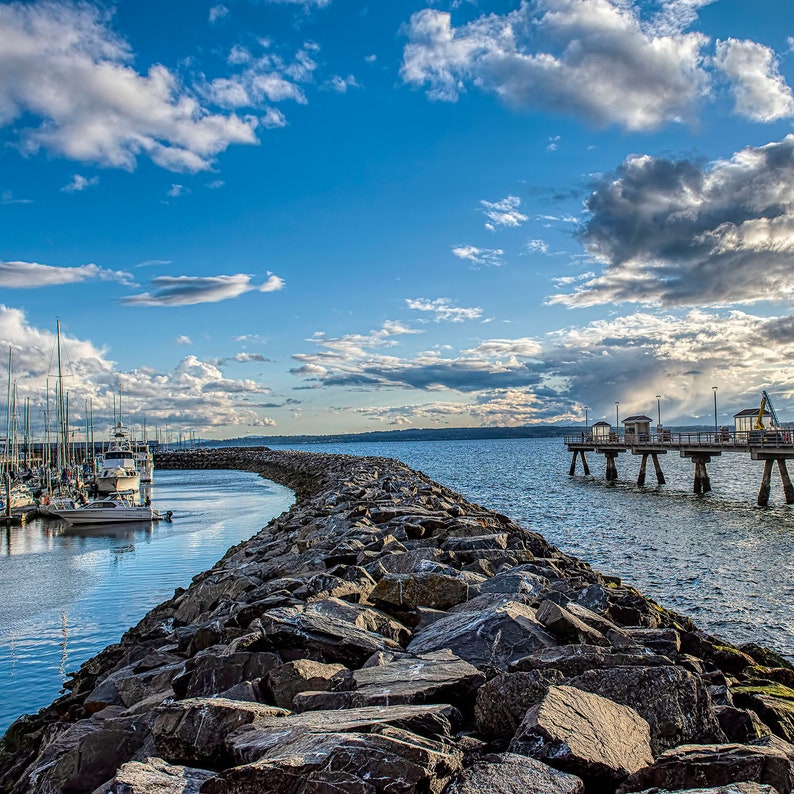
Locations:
{"points": [[770, 446]]}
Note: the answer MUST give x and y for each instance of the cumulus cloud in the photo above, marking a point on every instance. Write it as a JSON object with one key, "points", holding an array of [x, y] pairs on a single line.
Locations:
{"points": [[218, 12], [194, 394], [29, 275], [760, 91], [183, 340], [244, 358], [442, 309], [632, 358], [190, 290], [682, 232], [80, 183], [61, 64], [478, 256], [503, 213], [596, 59]]}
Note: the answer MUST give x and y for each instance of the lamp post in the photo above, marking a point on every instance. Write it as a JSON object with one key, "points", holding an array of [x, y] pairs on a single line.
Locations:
{"points": [[659, 410], [617, 418], [586, 409], [714, 389]]}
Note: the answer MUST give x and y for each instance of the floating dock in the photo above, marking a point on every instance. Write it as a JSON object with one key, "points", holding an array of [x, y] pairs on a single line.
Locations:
{"points": [[770, 446]]}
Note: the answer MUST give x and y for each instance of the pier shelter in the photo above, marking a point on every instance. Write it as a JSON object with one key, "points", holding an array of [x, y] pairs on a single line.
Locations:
{"points": [[744, 421], [600, 431], [637, 429]]}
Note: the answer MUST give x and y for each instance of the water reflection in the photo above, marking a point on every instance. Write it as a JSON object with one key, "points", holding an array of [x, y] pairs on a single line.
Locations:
{"points": [[66, 592]]}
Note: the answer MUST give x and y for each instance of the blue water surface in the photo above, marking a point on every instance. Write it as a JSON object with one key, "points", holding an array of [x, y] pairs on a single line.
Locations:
{"points": [[67, 593]]}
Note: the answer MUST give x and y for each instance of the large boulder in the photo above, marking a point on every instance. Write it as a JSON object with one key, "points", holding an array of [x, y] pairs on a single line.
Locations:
{"points": [[508, 773], [503, 702], [673, 701], [388, 760], [156, 775], [302, 675], [585, 734], [194, 731], [425, 588], [696, 766], [492, 637]]}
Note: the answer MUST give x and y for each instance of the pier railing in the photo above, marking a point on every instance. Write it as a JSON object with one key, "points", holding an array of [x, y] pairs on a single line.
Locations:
{"points": [[724, 439]]}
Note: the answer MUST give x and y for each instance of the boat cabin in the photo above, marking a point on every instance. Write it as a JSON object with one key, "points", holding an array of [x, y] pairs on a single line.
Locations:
{"points": [[600, 431], [637, 428], [745, 420]]}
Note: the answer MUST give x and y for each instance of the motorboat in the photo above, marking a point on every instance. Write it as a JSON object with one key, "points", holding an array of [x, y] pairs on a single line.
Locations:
{"points": [[49, 505], [20, 497], [114, 508], [144, 462], [118, 470]]}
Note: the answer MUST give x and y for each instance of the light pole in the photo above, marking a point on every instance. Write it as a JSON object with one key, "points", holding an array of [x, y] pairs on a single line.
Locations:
{"points": [[714, 389], [617, 418], [659, 410], [586, 409]]}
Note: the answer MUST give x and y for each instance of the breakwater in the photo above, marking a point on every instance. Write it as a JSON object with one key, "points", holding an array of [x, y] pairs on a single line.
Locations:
{"points": [[386, 635]]}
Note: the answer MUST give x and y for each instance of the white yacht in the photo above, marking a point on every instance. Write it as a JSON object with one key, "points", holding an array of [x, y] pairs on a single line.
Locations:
{"points": [[117, 469], [111, 509], [144, 462]]}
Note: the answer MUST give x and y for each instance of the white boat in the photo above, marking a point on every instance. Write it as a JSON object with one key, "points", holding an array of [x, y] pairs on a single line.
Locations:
{"points": [[111, 509], [144, 462], [49, 505], [20, 497], [117, 470]]}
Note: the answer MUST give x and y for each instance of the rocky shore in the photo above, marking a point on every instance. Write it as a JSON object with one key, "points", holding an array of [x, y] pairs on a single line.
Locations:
{"points": [[386, 635]]}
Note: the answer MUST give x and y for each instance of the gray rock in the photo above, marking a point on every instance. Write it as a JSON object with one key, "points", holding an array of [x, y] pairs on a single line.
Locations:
{"points": [[503, 702], [195, 730], [424, 588], [573, 660], [155, 775], [517, 581], [674, 702], [302, 675], [386, 760], [210, 673], [565, 625], [509, 773], [703, 766], [492, 637], [585, 734]]}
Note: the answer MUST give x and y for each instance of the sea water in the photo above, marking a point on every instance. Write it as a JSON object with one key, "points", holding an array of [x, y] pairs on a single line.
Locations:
{"points": [[68, 592]]}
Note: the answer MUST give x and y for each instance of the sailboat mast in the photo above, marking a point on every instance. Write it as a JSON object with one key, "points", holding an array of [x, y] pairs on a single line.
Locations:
{"points": [[62, 438], [6, 448]]}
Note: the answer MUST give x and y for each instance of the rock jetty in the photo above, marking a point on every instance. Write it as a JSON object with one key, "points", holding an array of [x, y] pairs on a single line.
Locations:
{"points": [[386, 635]]}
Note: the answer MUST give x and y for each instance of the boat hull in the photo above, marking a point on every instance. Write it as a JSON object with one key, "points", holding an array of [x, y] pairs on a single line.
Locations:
{"points": [[110, 482], [81, 515]]}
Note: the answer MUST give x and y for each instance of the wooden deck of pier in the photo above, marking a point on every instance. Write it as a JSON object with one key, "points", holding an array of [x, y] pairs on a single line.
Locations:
{"points": [[770, 446]]}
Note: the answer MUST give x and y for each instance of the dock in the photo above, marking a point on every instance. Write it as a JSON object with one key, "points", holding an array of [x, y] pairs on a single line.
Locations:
{"points": [[770, 446]]}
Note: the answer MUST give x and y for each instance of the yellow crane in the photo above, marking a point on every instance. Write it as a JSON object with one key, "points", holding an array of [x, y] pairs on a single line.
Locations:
{"points": [[766, 402]]}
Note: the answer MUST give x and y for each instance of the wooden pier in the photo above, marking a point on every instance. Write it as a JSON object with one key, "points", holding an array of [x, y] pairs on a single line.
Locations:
{"points": [[770, 446]]}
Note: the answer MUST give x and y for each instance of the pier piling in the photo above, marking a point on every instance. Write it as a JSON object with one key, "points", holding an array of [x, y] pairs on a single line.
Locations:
{"points": [[788, 488], [658, 468], [612, 465]]}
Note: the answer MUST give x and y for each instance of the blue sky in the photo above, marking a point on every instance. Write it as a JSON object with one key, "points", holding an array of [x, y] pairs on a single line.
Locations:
{"points": [[320, 216]]}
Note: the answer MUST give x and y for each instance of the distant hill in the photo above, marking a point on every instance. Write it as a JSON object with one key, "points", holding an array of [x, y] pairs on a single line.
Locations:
{"points": [[432, 434]]}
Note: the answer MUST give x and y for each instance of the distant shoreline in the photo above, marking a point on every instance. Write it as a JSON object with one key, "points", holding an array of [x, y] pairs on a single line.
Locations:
{"points": [[429, 434]]}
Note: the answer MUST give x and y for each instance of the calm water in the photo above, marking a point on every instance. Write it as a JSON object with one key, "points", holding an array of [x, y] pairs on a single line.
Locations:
{"points": [[717, 558], [66, 593]]}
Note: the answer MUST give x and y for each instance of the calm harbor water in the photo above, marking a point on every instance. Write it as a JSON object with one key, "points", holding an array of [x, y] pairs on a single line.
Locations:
{"points": [[717, 558], [66, 593]]}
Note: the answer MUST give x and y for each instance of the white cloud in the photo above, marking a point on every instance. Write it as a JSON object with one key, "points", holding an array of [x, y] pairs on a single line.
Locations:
{"points": [[7, 197], [503, 213], [177, 190], [194, 394], [30, 275], [537, 246], [183, 340], [759, 88], [60, 63], [479, 256], [681, 232], [443, 310], [79, 183], [591, 58], [191, 290], [218, 12], [341, 84]]}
